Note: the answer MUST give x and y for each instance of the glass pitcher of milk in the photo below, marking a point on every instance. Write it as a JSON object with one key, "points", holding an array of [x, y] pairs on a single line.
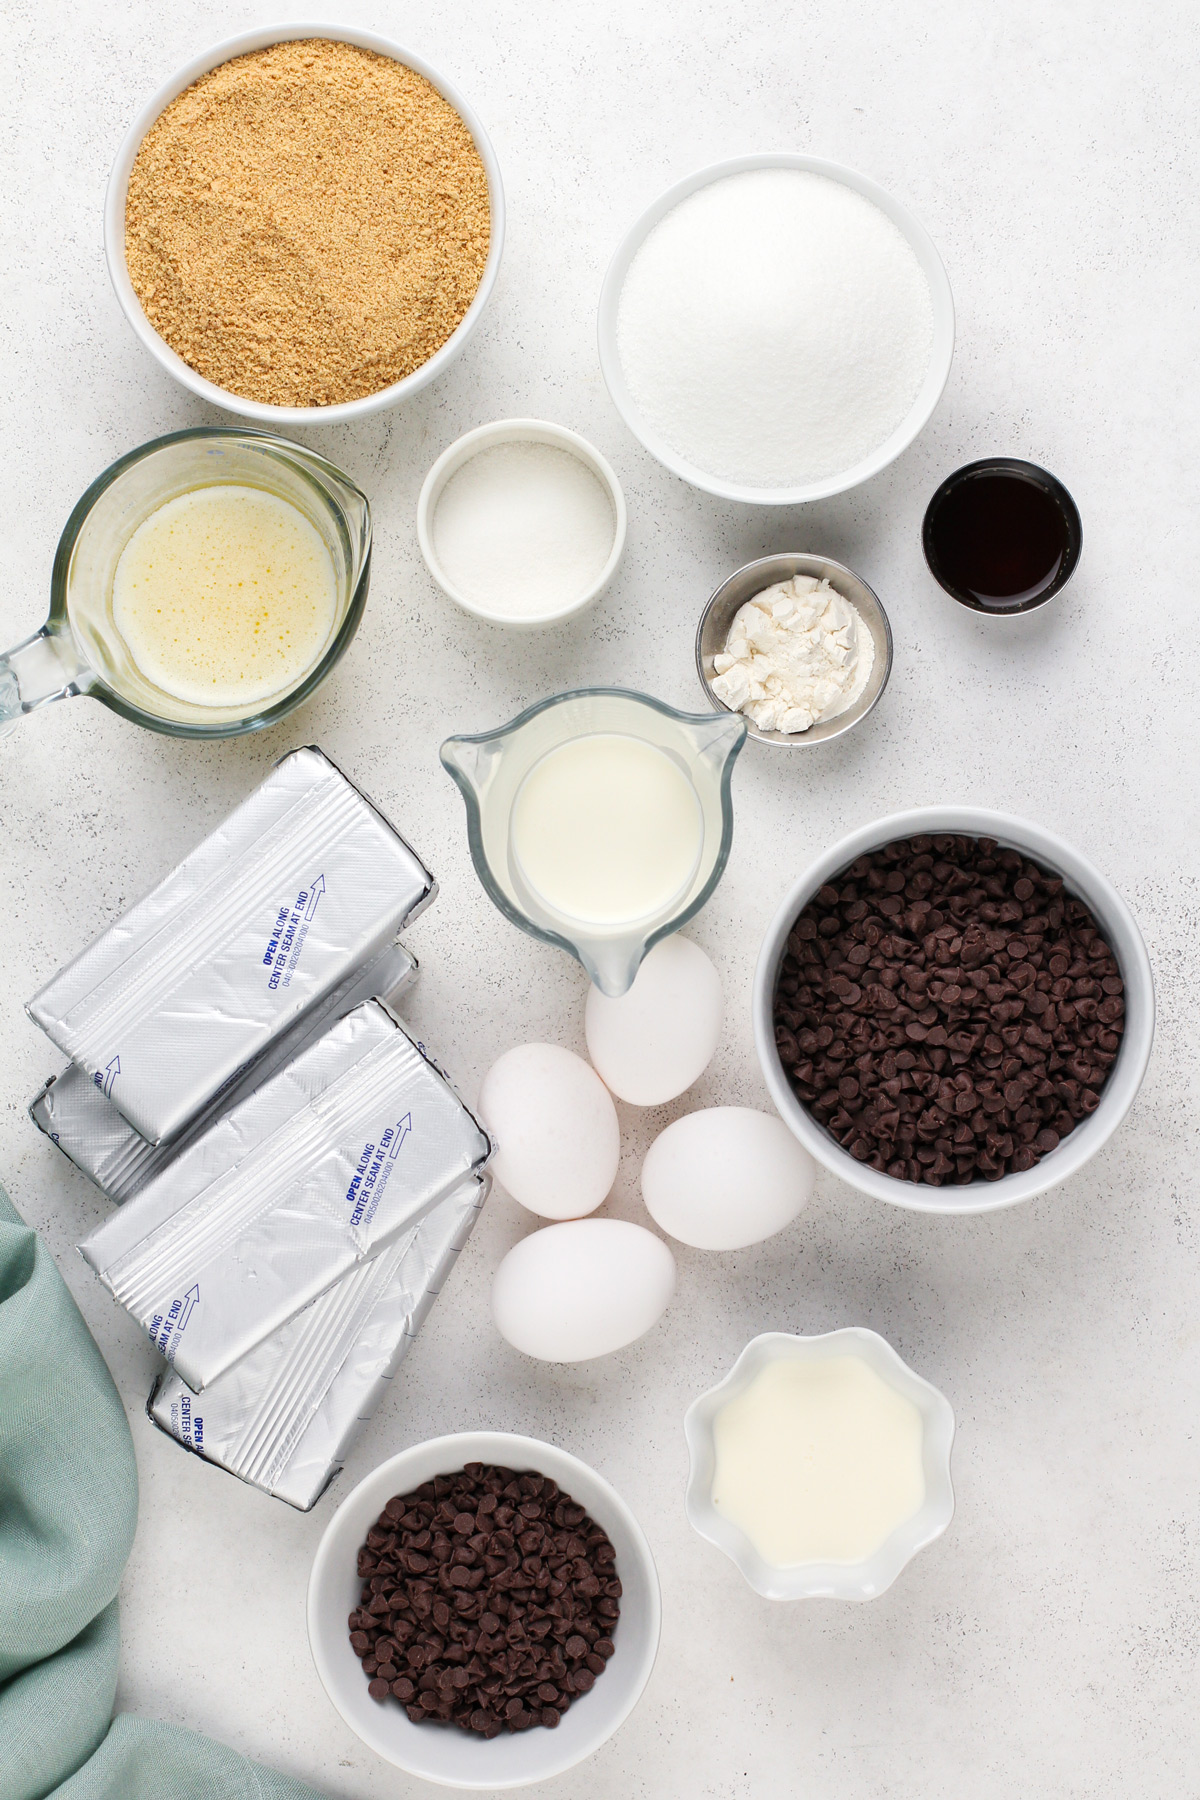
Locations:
{"points": [[600, 820], [204, 585]]}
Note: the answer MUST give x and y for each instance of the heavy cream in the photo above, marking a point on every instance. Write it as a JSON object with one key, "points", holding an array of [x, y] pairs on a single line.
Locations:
{"points": [[225, 596], [607, 829], [818, 1461]]}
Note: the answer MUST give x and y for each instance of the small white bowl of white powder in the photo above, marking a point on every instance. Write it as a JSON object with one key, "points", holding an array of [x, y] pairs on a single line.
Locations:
{"points": [[776, 328], [521, 522], [799, 645]]}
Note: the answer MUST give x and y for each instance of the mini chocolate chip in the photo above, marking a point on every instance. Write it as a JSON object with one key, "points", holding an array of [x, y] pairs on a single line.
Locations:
{"points": [[485, 1660], [989, 933]]}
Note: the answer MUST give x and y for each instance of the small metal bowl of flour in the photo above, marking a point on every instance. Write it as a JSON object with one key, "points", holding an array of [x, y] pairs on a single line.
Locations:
{"points": [[874, 644], [521, 522]]}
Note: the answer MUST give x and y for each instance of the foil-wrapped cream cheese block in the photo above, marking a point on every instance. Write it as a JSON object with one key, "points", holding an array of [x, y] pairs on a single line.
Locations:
{"points": [[319, 1169], [73, 1111], [285, 1416], [303, 883]]}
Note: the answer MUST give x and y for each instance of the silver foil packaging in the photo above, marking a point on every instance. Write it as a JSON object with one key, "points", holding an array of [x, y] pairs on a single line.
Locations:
{"points": [[303, 883], [88, 1129], [284, 1417], [321, 1168]]}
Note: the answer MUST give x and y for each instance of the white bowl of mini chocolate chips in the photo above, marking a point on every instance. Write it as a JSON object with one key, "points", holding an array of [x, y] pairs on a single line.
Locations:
{"points": [[484, 1610], [953, 1009]]}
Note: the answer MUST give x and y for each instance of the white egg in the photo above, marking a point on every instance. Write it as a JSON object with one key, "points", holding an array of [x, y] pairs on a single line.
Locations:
{"points": [[654, 1041], [571, 1292], [555, 1128], [726, 1177]]}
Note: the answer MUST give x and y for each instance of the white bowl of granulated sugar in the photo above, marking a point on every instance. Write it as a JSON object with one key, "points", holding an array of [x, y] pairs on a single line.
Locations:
{"points": [[776, 328], [521, 522]]}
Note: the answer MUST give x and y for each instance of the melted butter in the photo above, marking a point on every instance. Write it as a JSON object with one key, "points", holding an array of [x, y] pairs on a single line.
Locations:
{"points": [[225, 596]]}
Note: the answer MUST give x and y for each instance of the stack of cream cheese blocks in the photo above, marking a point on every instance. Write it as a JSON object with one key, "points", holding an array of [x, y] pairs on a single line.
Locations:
{"points": [[295, 1175]]}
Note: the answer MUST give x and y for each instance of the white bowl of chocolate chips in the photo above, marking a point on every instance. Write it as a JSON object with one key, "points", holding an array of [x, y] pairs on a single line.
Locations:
{"points": [[484, 1610], [953, 1009]]}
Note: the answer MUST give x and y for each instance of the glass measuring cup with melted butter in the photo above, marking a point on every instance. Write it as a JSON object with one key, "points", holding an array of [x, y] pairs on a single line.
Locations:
{"points": [[204, 585]]}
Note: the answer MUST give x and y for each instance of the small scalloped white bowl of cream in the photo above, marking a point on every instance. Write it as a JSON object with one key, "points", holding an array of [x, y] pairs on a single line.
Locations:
{"points": [[820, 1465]]}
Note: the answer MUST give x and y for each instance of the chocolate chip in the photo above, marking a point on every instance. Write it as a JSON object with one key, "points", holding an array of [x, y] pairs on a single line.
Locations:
{"points": [[1003, 988], [478, 1630]]}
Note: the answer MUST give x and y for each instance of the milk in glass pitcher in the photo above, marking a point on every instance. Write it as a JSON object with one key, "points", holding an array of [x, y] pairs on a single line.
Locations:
{"points": [[600, 821]]}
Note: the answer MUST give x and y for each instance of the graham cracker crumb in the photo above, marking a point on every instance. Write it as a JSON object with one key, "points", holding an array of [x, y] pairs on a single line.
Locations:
{"points": [[307, 224]]}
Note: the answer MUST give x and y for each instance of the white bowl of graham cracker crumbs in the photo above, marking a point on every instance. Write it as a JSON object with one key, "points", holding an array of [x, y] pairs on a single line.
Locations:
{"points": [[304, 224]]}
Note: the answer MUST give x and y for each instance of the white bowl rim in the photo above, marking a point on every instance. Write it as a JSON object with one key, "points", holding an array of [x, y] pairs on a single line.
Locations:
{"points": [[509, 431], [928, 395], [1125, 1077], [242, 44], [511, 1450], [860, 1581]]}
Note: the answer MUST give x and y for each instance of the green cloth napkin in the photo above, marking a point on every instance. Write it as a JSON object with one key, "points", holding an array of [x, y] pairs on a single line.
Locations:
{"points": [[68, 1508]]}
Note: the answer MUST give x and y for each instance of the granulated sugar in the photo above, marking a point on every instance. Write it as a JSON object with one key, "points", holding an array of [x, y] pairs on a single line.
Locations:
{"points": [[774, 328], [523, 529]]}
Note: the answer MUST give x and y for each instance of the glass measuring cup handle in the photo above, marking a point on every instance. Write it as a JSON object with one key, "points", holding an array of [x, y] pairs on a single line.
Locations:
{"points": [[45, 667]]}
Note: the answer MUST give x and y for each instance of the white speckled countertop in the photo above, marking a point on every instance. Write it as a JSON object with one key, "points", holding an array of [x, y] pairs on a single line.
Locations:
{"points": [[1047, 1646]]}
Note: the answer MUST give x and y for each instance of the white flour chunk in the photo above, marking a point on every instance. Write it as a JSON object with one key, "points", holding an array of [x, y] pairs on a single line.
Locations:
{"points": [[796, 655]]}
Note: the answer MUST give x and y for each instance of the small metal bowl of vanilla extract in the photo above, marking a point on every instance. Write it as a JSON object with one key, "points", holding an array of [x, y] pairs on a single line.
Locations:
{"points": [[1002, 536]]}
